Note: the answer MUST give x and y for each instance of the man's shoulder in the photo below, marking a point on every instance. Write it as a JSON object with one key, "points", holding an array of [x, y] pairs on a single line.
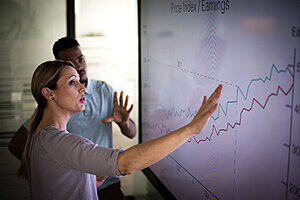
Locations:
{"points": [[98, 85]]}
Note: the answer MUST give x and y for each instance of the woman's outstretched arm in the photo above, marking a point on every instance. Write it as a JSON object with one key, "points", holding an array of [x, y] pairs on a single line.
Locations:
{"points": [[145, 154]]}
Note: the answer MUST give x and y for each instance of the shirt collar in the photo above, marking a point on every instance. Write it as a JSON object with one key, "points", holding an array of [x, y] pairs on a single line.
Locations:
{"points": [[89, 86]]}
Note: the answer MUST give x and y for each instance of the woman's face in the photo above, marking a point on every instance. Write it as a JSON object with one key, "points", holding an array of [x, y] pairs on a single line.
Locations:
{"points": [[69, 95]]}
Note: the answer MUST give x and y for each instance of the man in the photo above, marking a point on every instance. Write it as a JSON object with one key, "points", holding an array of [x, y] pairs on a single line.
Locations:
{"points": [[94, 122]]}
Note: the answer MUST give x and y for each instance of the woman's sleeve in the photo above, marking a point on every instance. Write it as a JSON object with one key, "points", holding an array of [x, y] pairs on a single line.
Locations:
{"points": [[75, 152]]}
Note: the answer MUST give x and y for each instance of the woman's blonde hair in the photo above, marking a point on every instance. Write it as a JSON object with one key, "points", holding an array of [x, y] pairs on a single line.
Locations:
{"points": [[45, 75]]}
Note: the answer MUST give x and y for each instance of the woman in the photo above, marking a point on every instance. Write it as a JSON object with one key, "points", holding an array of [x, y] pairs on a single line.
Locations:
{"points": [[62, 165]]}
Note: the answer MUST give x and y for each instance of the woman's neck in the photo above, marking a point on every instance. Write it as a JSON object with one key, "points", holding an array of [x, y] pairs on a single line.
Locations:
{"points": [[54, 118]]}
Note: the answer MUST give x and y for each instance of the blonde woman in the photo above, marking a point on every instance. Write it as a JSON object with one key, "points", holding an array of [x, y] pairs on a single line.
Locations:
{"points": [[62, 165]]}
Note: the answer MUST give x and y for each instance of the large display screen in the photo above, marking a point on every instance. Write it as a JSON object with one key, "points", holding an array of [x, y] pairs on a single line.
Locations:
{"points": [[250, 148]]}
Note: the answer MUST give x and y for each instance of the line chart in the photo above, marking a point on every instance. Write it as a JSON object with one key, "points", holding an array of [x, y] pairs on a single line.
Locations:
{"points": [[164, 129], [190, 114], [214, 130], [249, 148]]}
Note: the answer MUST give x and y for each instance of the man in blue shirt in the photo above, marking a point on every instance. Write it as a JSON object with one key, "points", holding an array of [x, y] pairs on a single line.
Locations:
{"points": [[94, 122]]}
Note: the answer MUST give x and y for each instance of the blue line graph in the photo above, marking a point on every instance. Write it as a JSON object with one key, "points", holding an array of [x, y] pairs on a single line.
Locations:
{"points": [[189, 114]]}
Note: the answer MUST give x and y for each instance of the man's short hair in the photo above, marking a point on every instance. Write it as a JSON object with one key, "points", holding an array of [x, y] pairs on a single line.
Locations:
{"points": [[63, 44]]}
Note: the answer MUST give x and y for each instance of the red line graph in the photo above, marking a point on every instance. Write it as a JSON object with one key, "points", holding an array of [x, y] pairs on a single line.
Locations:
{"points": [[164, 129], [240, 121]]}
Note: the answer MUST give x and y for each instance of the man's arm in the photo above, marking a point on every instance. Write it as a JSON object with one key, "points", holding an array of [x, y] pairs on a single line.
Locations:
{"points": [[17, 144], [128, 129]]}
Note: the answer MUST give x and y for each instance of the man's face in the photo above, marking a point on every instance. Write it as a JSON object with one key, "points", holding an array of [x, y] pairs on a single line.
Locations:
{"points": [[74, 55]]}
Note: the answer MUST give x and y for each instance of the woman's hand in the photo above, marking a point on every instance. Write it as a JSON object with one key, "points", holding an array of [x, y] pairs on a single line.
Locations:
{"points": [[146, 154], [207, 108]]}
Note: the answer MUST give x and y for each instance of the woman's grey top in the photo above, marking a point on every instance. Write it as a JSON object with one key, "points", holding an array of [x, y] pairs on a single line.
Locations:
{"points": [[63, 165]]}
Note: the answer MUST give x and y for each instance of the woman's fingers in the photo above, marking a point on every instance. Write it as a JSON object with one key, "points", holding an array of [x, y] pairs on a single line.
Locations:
{"points": [[214, 97], [212, 109], [216, 94], [210, 105], [204, 100], [202, 105]]}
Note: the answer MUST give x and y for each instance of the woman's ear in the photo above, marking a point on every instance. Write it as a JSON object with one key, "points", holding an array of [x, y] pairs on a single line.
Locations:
{"points": [[47, 93]]}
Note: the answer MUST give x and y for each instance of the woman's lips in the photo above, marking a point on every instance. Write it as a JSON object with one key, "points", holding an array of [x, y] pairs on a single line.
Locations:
{"points": [[82, 100]]}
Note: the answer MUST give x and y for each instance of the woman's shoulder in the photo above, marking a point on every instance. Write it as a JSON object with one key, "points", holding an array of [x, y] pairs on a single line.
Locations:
{"points": [[50, 130], [52, 135]]}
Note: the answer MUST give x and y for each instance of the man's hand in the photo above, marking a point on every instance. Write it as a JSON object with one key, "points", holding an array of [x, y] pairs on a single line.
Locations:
{"points": [[100, 180], [121, 114]]}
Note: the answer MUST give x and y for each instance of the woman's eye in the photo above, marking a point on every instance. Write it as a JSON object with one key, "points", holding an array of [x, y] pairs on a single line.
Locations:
{"points": [[72, 83], [80, 60]]}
